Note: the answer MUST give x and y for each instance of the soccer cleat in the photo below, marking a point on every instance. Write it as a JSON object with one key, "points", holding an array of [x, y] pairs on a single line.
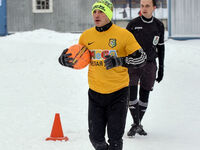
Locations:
{"points": [[140, 130], [136, 129], [132, 131]]}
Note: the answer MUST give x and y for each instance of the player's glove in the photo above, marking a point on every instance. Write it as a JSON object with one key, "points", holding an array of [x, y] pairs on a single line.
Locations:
{"points": [[160, 74], [65, 60], [134, 60], [112, 61]]}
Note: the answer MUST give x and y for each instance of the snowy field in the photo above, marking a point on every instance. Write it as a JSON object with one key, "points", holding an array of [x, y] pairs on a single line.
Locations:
{"points": [[34, 86]]}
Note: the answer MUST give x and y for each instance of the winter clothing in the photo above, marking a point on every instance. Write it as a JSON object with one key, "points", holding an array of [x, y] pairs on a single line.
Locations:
{"points": [[135, 60], [150, 35], [65, 60], [160, 74], [105, 6]]}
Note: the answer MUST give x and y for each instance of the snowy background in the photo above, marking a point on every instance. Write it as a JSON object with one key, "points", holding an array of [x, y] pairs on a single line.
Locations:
{"points": [[34, 86]]}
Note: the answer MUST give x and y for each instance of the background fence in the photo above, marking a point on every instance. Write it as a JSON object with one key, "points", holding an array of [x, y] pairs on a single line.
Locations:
{"points": [[68, 15], [184, 18]]}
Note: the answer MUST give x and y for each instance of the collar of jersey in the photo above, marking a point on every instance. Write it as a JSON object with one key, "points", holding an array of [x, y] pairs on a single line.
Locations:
{"points": [[146, 20], [104, 28]]}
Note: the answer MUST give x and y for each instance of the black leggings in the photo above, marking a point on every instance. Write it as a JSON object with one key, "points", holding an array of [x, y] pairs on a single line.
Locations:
{"points": [[107, 110]]}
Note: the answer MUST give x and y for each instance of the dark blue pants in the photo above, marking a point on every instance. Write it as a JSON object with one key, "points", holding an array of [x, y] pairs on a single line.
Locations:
{"points": [[107, 111]]}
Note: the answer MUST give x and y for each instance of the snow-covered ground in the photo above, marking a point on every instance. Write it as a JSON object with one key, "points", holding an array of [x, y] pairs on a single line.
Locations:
{"points": [[33, 87]]}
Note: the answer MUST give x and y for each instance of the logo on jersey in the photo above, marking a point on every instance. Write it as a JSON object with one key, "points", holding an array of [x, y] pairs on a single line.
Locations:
{"points": [[112, 43], [138, 28], [98, 56], [156, 40], [89, 43]]}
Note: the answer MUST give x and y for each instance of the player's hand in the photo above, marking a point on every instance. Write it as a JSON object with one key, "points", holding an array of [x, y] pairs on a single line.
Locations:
{"points": [[112, 61], [160, 74], [65, 59]]}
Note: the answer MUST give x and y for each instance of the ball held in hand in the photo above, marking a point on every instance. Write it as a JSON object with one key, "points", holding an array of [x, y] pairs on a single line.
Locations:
{"points": [[80, 55]]}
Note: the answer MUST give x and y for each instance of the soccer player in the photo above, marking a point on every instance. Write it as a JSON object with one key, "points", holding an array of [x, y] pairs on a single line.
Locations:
{"points": [[113, 49]]}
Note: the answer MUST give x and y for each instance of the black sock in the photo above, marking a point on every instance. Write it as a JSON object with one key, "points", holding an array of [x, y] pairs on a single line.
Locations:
{"points": [[133, 104], [143, 102]]}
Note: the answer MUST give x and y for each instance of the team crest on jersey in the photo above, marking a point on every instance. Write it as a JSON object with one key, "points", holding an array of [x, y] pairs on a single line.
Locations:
{"points": [[112, 43], [156, 40]]}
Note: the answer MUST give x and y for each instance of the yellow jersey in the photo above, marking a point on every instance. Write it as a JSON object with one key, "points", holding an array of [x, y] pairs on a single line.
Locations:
{"points": [[116, 41]]}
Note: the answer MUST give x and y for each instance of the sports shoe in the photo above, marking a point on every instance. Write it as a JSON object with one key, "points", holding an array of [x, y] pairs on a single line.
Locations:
{"points": [[140, 130], [132, 131], [136, 129]]}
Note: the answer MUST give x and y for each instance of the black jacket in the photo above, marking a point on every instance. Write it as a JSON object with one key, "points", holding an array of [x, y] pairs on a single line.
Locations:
{"points": [[150, 35]]}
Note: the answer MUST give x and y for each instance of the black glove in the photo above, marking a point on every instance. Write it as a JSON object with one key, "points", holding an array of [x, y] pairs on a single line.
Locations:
{"points": [[160, 74], [65, 60], [112, 61]]}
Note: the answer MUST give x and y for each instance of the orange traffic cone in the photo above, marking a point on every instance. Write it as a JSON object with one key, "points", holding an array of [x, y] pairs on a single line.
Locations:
{"points": [[57, 132]]}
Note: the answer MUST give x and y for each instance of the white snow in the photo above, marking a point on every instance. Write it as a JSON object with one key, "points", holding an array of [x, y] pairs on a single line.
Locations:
{"points": [[34, 86]]}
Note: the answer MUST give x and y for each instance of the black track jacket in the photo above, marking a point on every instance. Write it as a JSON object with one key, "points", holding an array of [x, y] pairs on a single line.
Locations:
{"points": [[150, 35]]}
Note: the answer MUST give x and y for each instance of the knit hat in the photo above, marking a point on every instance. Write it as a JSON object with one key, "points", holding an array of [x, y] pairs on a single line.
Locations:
{"points": [[105, 6]]}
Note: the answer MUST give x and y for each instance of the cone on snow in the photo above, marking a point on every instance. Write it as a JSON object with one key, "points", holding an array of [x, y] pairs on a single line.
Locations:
{"points": [[57, 132]]}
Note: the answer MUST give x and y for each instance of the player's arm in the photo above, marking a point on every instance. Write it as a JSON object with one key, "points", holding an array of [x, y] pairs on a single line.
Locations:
{"points": [[136, 60], [161, 55], [161, 48]]}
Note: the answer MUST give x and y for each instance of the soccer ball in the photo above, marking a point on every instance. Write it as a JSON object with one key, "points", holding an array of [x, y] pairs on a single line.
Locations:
{"points": [[80, 54]]}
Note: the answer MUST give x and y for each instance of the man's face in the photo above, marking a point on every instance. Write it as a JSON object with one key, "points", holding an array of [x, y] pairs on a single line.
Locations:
{"points": [[147, 8], [100, 19]]}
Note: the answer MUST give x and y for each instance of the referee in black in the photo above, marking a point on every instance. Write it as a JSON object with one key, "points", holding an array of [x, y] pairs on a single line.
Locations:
{"points": [[149, 32]]}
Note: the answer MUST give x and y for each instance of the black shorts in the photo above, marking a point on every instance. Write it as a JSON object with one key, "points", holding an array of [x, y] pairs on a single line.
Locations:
{"points": [[145, 76]]}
